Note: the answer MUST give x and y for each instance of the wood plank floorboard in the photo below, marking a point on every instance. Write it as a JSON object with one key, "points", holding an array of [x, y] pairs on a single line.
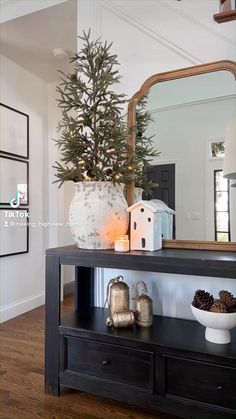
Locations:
{"points": [[22, 378]]}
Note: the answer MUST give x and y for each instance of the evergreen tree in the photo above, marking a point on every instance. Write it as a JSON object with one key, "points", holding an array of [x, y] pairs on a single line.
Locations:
{"points": [[93, 130], [144, 149]]}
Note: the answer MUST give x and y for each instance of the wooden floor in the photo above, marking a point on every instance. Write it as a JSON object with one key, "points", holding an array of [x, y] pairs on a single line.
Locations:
{"points": [[22, 379]]}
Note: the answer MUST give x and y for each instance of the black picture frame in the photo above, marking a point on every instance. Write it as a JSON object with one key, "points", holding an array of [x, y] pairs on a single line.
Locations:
{"points": [[26, 250], [10, 152], [25, 162]]}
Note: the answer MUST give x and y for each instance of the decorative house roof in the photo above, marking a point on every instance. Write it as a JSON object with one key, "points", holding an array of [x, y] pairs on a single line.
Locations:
{"points": [[146, 204], [162, 206]]}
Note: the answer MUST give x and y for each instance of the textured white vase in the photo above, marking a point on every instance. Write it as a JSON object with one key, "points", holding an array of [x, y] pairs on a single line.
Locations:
{"points": [[218, 325], [98, 214]]}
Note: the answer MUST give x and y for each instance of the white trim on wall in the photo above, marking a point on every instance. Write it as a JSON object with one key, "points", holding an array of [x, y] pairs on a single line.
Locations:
{"points": [[196, 102], [156, 36], [191, 18], [21, 306]]}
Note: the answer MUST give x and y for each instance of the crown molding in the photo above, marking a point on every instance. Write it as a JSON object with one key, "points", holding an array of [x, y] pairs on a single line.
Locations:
{"points": [[199, 24], [193, 103], [160, 39]]}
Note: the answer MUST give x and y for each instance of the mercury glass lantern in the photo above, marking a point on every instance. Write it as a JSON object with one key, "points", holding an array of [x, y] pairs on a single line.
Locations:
{"points": [[167, 219]]}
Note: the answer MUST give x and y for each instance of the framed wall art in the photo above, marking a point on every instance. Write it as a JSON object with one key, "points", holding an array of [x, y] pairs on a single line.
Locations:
{"points": [[14, 180], [14, 132], [14, 231]]}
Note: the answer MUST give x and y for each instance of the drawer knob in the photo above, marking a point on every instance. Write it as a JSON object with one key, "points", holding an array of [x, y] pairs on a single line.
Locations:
{"points": [[220, 388], [105, 362]]}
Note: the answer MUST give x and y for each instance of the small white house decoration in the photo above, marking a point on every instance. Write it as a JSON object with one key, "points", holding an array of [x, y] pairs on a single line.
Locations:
{"points": [[145, 226]]}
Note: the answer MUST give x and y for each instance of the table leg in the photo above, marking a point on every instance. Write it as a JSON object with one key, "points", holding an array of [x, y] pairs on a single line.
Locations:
{"points": [[52, 321], [84, 287]]}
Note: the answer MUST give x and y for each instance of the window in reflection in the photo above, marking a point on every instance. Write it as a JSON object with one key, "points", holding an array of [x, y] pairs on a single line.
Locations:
{"points": [[222, 218], [217, 149]]}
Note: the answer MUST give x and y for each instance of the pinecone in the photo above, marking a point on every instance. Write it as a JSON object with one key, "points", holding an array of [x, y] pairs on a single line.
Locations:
{"points": [[231, 306], [203, 300], [218, 307], [226, 297], [73, 77]]}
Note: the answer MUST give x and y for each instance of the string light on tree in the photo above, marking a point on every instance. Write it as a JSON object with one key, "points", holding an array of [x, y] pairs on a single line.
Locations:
{"points": [[93, 131]]}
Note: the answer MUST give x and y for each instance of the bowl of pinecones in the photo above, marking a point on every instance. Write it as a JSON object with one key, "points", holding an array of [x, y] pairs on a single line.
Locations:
{"points": [[218, 315]]}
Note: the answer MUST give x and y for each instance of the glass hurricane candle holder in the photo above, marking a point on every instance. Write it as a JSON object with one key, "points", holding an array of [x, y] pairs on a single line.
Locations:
{"points": [[122, 243]]}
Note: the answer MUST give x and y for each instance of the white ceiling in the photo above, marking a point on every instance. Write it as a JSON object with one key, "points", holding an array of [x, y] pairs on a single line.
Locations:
{"points": [[29, 40]]}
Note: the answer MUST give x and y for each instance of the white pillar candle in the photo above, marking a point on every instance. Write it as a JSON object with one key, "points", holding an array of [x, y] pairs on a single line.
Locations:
{"points": [[122, 244]]}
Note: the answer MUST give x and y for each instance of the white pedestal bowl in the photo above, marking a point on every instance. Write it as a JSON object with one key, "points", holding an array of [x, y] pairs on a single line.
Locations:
{"points": [[218, 325]]}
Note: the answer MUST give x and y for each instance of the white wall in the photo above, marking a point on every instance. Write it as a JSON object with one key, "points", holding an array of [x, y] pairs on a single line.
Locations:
{"points": [[22, 276], [150, 37], [182, 135], [59, 199], [171, 293]]}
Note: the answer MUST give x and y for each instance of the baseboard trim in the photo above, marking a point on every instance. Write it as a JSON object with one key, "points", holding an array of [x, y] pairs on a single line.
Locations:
{"points": [[69, 288], [10, 311]]}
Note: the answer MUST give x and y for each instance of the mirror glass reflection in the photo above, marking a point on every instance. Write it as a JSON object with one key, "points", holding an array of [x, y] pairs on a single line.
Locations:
{"points": [[190, 116]]}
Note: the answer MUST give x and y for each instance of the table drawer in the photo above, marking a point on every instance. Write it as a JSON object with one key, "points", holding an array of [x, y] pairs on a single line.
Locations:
{"points": [[200, 381], [110, 362]]}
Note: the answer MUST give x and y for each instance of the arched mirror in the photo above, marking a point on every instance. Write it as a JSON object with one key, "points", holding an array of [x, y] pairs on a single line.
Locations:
{"points": [[190, 110]]}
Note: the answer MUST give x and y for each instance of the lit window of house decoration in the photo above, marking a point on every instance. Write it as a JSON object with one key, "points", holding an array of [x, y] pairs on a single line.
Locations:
{"points": [[145, 226]]}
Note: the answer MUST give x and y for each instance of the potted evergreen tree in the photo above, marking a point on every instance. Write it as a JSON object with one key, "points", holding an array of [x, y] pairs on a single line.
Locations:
{"points": [[93, 145], [144, 151]]}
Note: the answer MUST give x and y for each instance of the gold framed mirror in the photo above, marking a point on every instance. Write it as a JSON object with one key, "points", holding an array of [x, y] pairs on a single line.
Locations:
{"points": [[201, 100]]}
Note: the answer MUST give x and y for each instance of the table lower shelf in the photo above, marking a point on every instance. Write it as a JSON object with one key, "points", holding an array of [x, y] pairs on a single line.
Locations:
{"points": [[166, 331]]}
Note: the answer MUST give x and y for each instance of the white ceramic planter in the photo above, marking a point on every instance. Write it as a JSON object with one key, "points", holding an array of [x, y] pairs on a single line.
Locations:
{"points": [[218, 325], [98, 214]]}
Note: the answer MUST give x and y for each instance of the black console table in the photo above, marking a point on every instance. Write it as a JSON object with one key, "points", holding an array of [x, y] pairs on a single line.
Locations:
{"points": [[169, 367]]}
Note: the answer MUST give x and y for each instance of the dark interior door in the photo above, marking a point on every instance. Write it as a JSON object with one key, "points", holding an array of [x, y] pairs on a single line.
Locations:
{"points": [[164, 176]]}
